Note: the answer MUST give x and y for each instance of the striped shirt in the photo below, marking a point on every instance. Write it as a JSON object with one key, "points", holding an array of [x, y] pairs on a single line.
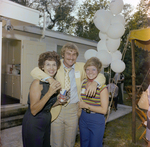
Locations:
{"points": [[94, 101]]}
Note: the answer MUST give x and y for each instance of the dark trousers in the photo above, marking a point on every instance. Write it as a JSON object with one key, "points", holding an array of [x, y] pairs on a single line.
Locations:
{"points": [[115, 100], [120, 99]]}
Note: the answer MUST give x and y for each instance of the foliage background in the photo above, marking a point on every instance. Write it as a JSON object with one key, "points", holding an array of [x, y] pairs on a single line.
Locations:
{"points": [[75, 18]]}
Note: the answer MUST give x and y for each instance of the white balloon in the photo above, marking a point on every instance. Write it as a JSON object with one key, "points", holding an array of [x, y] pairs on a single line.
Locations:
{"points": [[113, 44], [118, 66], [90, 53], [102, 20], [102, 45], [104, 57], [103, 35], [116, 6], [115, 30], [118, 19], [116, 55]]}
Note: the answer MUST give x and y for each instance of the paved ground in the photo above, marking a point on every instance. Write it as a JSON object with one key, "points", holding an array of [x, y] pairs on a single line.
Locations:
{"points": [[122, 110], [12, 137]]}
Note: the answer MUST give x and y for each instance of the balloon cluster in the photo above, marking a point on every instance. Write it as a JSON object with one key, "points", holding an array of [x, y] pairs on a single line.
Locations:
{"points": [[111, 25]]}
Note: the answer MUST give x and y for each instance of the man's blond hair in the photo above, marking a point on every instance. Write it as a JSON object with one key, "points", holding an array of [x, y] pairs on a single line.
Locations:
{"points": [[70, 46]]}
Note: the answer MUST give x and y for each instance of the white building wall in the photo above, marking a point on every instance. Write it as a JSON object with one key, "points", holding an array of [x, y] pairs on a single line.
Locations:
{"points": [[51, 41], [51, 44]]}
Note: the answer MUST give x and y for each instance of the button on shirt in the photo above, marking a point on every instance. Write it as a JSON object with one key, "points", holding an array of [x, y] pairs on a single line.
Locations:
{"points": [[73, 87]]}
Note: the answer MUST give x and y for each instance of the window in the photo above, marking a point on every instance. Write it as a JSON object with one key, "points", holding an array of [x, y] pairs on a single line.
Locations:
{"points": [[59, 50]]}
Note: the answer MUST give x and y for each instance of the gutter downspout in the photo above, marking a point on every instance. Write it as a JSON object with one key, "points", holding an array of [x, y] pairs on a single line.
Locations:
{"points": [[44, 25]]}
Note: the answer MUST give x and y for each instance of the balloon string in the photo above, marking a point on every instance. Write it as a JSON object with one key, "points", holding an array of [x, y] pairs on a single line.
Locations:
{"points": [[125, 48], [112, 95]]}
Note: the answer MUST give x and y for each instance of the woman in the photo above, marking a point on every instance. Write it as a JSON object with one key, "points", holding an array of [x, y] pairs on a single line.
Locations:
{"points": [[92, 120], [42, 96]]}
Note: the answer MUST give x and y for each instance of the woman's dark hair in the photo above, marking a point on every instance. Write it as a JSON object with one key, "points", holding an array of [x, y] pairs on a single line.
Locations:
{"points": [[50, 56]]}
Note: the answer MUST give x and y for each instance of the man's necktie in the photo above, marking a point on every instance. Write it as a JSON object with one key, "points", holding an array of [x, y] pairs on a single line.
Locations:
{"points": [[67, 79]]}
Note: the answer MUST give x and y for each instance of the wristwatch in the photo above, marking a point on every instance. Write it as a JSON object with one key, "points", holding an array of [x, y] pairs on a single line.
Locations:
{"points": [[45, 79]]}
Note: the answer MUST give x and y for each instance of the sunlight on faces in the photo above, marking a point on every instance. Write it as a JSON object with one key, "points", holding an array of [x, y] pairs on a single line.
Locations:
{"points": [[70, 57], [50, 67], [91, 72]]}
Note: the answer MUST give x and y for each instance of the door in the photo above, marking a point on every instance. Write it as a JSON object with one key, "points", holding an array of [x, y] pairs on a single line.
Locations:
{"points": [[8, 85], [16, 87], [29, 59]]}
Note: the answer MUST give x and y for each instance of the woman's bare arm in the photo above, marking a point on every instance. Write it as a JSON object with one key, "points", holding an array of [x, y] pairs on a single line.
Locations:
{"points": [[36, 105]]}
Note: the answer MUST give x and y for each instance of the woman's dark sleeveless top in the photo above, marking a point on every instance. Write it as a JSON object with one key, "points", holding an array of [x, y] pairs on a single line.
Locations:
{"points": [[50, 102]]}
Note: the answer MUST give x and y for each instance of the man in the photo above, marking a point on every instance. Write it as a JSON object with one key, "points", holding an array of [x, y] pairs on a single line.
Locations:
{"points": [[119, 79], [65, 124]]}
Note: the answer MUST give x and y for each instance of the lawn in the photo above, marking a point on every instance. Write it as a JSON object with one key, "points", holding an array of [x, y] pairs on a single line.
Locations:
{"points": [[118, 133]]}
